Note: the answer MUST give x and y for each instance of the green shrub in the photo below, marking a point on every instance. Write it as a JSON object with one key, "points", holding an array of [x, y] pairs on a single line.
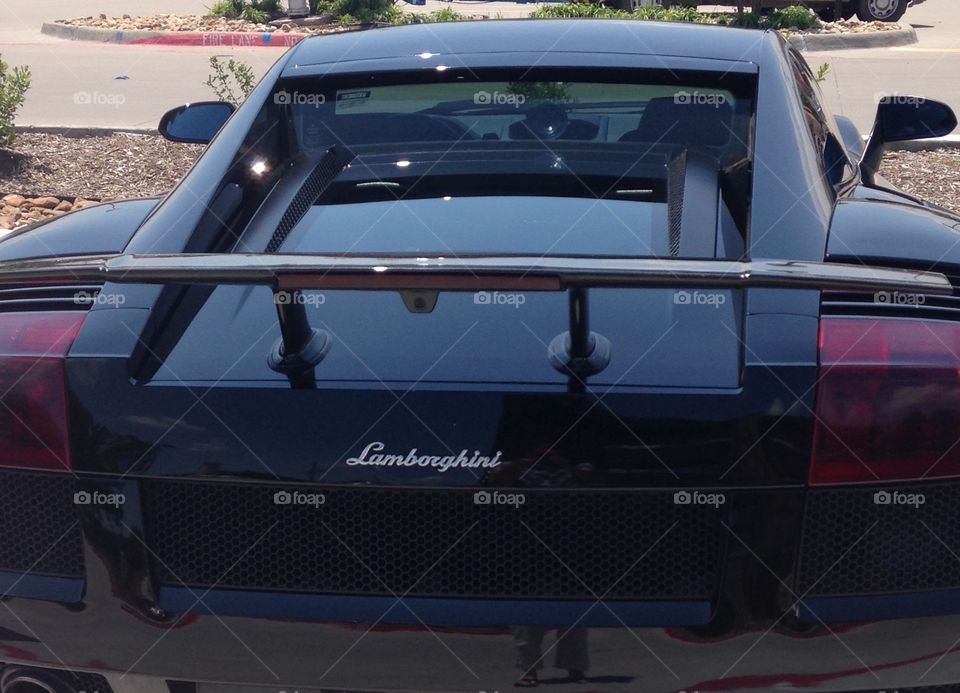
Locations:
{"points": [[793, 17], [13, 89], [591, 10], [271, 7], [744, 20], [557, 92], [444, 14], [363, 11], [258, 11], [252, 14], [674, 14], [573, 10], [230, 75], [230, 9]]}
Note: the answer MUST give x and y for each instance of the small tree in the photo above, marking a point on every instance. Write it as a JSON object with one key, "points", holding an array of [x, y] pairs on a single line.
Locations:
{"points": [[226, 76], [13, 89]]}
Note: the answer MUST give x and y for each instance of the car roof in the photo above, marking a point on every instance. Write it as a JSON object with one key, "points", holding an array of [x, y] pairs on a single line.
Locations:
{"points": [[529, 41]]}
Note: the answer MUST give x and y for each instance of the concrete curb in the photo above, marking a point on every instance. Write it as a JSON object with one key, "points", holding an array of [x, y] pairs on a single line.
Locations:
{"points": [[838, 42], [277, 39]]}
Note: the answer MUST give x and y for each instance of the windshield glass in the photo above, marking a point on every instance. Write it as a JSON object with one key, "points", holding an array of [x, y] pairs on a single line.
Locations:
{"points": [[604, 115], [602, 140]]}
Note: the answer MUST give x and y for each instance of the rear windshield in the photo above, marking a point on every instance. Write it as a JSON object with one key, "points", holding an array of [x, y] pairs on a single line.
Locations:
{"points": [[712, 116], [603, 140]]}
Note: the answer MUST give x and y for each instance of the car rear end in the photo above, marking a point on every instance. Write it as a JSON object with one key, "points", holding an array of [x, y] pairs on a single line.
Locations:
{"points": [[511, 396]]}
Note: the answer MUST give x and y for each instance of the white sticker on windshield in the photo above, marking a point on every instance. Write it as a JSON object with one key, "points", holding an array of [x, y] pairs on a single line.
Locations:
{"points": [[351, 99]]}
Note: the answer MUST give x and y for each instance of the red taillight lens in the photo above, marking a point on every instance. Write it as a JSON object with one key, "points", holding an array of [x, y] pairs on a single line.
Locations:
{"points": [[888, 401], [33, 396]]}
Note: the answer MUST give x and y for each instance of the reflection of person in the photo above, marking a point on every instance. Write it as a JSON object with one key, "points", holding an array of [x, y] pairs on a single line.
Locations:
{"points": [[571, 653]]}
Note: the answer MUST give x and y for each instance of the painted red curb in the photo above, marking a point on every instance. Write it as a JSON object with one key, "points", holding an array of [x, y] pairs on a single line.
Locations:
{"points": [[227, 39]]}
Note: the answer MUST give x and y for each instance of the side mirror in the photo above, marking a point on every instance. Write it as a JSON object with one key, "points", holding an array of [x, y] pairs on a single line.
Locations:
{"points": [[902, 118], [195, 123]]}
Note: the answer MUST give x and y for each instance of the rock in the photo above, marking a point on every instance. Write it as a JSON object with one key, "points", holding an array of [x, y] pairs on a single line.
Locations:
{"points": [[44, 202], [14, 200], [80, 203], [286, 27], [63, 207], [7, 222]]}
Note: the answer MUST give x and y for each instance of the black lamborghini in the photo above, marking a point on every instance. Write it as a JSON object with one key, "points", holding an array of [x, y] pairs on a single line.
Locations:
{"points": [[577, 355]]}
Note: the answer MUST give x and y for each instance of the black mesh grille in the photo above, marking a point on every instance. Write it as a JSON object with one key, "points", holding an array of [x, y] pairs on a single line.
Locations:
{"points": [[326, 170], [854, 545], [39, 531], [675, 183], [559, 544]]}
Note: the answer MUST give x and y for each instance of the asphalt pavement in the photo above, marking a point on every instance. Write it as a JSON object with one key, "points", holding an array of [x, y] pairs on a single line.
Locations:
{"points": [[929, 69], [80, 84]]}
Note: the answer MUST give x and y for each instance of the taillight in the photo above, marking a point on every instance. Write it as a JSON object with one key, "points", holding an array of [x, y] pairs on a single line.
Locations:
{"points": [[888, 401], [33, 396]]}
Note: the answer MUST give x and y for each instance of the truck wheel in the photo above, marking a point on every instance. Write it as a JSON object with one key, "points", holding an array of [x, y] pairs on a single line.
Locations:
{"points": [[881, 10]]}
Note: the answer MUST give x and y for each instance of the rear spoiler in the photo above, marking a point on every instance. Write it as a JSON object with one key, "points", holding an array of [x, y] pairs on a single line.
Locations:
{"points": [[467, 273], [579, 352]]}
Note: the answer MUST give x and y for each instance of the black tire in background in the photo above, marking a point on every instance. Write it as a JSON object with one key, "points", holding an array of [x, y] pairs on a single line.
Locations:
{"points": [[881, 10]]}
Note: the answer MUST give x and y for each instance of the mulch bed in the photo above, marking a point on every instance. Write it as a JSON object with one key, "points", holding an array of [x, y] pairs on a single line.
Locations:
{"points": [[933, 176], [119, 165], [129, 165], [88, 168]]}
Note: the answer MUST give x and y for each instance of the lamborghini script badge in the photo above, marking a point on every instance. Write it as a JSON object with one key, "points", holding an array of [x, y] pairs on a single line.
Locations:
{"points": [[373, 455]]}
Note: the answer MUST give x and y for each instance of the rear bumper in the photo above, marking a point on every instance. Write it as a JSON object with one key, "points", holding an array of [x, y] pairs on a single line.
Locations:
{"points": [[120, 608], [284, 655]]}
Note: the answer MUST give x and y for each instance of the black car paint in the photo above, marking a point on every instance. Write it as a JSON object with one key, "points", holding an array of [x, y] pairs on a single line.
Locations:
{"points": [[749, 440]]}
